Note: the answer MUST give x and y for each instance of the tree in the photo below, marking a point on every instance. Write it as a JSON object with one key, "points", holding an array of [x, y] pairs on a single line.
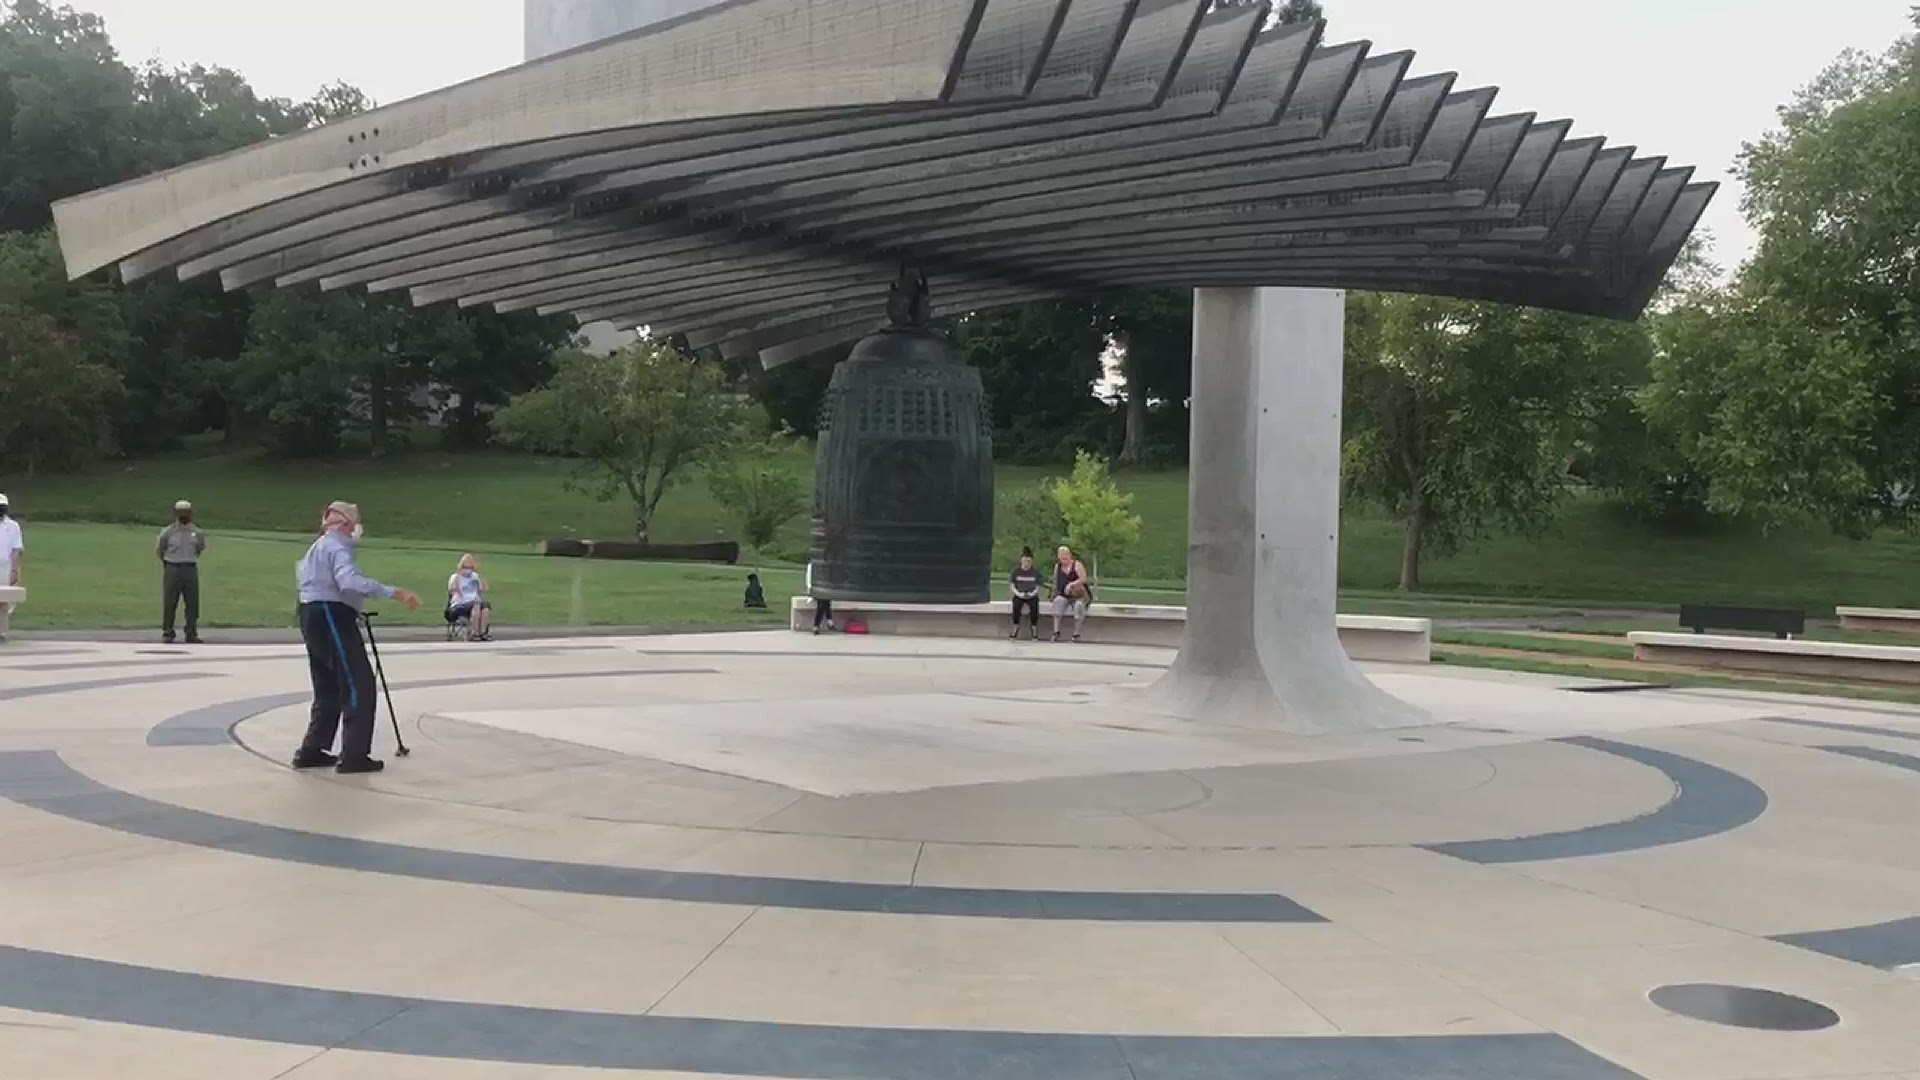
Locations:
{"points": [[758, 490], [479, 360], [56, 405], [1627, 453], [1781, 417], [1797, 392], [1038, 363], [1099, 517], [792, 392], [1463, 417], [60, 347], [74, 117], [1151, 334], [638, 419], [315, 362], [1284, 13], [66, 108], [1028, 516]]}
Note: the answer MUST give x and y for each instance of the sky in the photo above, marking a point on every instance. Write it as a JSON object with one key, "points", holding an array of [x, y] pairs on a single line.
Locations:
{"points": [[1691, 79]]}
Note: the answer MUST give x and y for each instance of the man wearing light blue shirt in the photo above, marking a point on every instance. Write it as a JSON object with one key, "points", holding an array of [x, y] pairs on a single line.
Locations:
{"points": [[332, 591]]}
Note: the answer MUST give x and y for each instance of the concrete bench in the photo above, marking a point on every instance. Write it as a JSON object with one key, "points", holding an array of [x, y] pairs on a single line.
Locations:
{"points": [[10, 596], [1876, 618], [1366, 637], [1824, 659]]}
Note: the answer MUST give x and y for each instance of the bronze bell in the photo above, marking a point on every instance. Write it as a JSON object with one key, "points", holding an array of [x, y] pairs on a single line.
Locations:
{"points": [[903, 476]]}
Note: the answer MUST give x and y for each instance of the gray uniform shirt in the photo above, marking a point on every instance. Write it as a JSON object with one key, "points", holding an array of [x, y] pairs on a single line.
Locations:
{"points": [[181, 544]]}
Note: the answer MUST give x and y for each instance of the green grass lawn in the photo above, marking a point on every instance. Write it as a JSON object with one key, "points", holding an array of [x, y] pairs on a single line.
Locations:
{"points": [[1573, 668], [1600, 648], [503, 504], [105, 576]]}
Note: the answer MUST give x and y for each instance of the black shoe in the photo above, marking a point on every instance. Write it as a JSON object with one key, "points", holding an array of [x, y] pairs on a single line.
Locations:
{"points": [[1015, 636], [194, 639], [361, 765], [166, 639], [314, 759]]}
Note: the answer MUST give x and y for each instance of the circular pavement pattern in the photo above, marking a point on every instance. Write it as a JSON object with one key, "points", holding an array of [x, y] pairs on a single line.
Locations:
{"points": [[763, 856]]}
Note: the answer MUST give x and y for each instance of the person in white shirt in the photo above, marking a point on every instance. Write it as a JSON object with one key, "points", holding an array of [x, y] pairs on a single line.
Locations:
{"points": [[12, 550], [467, 598]]}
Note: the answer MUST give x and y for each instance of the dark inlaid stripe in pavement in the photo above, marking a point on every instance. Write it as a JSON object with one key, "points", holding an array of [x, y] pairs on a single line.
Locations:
{"points": [[1869, 753], [1851, 729], [210, 725], [85, 989], [42, 780], [15, 693], [1028, 657], [1708, 801], [181, 657], [1882, 945]]}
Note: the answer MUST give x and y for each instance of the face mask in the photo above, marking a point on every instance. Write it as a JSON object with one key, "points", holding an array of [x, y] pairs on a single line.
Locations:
{"points": [[185, 519]]}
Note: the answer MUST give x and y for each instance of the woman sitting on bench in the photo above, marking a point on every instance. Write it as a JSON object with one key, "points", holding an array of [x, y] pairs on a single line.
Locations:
{"points": [[467, 599]]}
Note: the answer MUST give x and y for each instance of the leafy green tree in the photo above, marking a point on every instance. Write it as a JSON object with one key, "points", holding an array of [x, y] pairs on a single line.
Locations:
{"points": [[74, 117], [1463, 417], [1284, 12], [478, 360], [1151, 332], [66, 110], [1798, 392], [56, 405], [1782, 417], [792, 392], [61, 345], [759, 489], [1039, 363], [1028, 516], [1099, 516], [1627, 453], [639, 420], [317, 362]]}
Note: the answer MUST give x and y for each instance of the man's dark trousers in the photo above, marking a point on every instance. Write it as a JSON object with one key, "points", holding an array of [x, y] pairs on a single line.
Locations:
{"points": [[343, 690], [181, 581]]}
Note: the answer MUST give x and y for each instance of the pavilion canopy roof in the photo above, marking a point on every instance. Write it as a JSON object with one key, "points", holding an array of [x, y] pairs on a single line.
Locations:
{"points": [[755, 176]]}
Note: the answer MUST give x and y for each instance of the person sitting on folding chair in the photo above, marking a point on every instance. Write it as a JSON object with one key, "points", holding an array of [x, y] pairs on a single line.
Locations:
{"points": [[332, 590], [467, 600]]}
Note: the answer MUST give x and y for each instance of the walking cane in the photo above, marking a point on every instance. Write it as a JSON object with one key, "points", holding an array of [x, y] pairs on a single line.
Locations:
{"points": [[367, 618]]}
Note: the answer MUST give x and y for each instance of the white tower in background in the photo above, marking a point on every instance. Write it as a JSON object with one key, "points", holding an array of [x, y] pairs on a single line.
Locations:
{"points": [[558, 25]]}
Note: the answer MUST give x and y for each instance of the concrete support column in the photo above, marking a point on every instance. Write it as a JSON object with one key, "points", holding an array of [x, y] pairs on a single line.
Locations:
{"points": [[1263, 510]]}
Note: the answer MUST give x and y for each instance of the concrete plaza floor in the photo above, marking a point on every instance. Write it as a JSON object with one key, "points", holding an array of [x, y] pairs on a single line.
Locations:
{"points": [[765, 855]]}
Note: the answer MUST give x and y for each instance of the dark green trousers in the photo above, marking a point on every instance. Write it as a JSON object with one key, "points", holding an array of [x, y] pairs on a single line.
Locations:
{"points": [[181, 582]]}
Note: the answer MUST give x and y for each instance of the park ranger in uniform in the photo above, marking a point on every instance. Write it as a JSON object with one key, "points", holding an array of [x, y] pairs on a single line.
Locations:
{"points": [[180, 547], [332, 590]]}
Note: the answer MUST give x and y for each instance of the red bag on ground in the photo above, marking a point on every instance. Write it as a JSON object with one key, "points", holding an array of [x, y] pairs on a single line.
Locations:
{"points": [[855, 626]]}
